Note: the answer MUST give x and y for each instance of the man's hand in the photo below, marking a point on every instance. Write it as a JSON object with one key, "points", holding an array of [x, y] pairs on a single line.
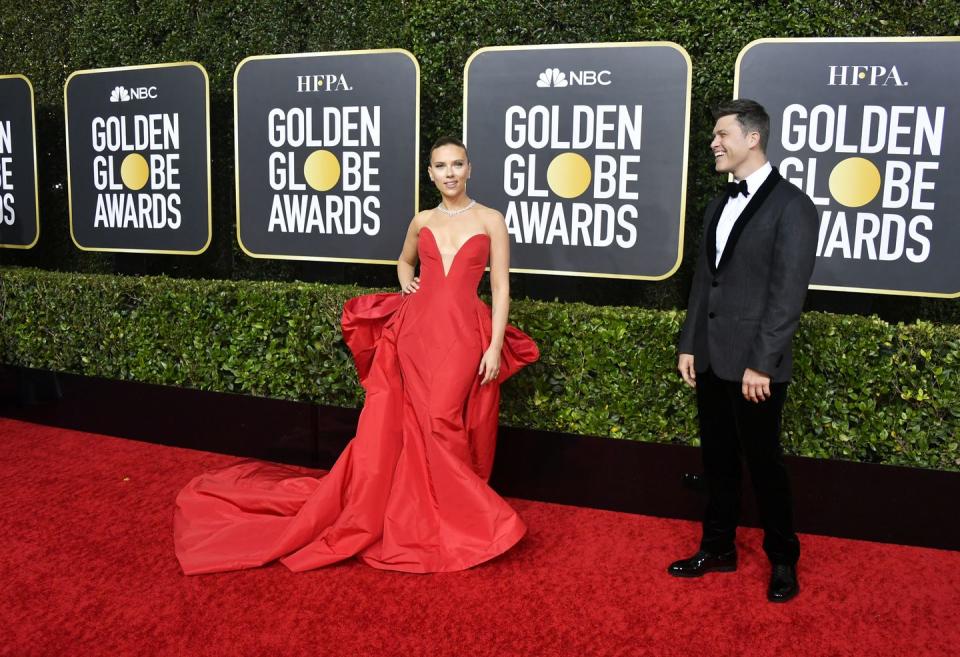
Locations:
{"points": [[685, 365], [755, 386]]}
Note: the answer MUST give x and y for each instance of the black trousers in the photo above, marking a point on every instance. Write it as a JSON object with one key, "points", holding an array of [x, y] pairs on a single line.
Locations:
{"points": [[733, 429]]}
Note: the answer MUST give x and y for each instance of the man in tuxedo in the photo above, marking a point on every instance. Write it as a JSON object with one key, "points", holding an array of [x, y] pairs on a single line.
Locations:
{"points": [[751, 277]]}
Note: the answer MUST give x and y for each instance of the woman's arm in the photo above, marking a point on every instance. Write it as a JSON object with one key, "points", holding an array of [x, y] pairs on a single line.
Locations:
{"points": [[407, 262], [500, 288]]}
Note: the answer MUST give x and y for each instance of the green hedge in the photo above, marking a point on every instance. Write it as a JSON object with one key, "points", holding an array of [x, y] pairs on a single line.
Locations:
{"points": [[48, 40], [864, 389], [875, 391]]}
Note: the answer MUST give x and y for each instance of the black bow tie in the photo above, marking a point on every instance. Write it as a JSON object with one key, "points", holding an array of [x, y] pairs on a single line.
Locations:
{"points": [[736, 188]]}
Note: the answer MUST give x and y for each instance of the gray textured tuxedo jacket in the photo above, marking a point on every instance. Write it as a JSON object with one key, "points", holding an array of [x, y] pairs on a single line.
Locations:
{"points": [[744, 312]]}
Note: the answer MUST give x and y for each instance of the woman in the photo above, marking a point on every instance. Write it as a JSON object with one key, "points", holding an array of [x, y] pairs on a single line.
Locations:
{"points": [[410, 491]]}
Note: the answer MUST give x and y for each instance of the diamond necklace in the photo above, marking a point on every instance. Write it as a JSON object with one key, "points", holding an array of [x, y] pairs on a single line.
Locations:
{"points": [[453, 213]]}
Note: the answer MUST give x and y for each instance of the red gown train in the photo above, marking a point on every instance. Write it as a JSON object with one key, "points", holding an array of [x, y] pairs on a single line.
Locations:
{"points": [[410, 490]]}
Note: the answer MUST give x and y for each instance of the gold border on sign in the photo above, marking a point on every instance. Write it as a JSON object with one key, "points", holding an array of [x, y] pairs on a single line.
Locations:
{"points": [[736, 94], [206, 101], [416, 147], [686, 143], [36, 182]]}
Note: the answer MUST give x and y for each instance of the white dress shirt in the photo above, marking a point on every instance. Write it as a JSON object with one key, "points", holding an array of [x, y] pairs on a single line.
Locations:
{"points": [[733, 208]]}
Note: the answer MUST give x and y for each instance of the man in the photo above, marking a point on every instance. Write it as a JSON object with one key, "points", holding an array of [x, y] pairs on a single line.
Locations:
{"points": [[749, 285]]}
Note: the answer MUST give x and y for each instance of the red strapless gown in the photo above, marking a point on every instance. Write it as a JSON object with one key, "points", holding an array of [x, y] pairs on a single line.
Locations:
{"points": [[410, 491]]}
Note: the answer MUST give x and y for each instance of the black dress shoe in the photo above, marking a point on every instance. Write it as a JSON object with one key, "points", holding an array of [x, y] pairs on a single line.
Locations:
{"points": [[704, 562], [783, 583]]}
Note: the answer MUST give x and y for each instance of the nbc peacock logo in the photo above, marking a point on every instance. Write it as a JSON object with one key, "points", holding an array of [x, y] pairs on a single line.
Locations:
{"points": [[552, 77], [119, 95]]}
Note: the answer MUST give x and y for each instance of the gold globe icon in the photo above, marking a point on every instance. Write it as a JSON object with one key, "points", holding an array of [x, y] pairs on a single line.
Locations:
{"points": [[569, 175], [321, 170], [854, 182], [134, 171]]}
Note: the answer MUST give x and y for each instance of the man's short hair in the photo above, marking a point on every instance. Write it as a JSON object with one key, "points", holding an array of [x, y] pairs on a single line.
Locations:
{"points": [[750, 115]]}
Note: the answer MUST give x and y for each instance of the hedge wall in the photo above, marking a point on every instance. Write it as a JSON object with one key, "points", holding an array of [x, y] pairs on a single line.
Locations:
{"points": [[48, 40], [864, 389], [875, 391]]}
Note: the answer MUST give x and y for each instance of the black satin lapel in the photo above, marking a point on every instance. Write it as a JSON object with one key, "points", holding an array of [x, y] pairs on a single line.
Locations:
{"points": [[711, 235], [752, 206]]}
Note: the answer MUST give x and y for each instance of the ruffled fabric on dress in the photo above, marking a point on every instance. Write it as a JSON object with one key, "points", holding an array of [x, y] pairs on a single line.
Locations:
{"points": [[410, 490]]}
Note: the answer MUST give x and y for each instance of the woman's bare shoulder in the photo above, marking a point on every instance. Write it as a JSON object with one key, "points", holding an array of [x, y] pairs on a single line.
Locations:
{"points": [[489, 216], [420, 219]]}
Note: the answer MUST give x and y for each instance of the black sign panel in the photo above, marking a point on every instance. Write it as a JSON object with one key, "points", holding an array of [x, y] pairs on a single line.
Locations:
{"points": [[584, 149], [870, 130], [326, 154], [19, 214], [138, 157]]}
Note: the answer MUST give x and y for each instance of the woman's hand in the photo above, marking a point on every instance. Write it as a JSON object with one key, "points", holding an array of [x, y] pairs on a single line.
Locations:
{"points": [[489, 365], [412, 286]]}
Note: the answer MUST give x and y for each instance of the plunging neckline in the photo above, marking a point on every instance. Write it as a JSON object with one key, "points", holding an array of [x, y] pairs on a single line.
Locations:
{"points": [[446, 270]]}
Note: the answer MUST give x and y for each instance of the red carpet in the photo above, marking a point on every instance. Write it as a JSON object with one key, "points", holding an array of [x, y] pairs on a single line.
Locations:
{"points": [[88, 569]]}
